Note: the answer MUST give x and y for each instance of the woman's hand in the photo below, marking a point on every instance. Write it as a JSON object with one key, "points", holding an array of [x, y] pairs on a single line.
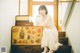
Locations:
{"points": [[46, 27]]}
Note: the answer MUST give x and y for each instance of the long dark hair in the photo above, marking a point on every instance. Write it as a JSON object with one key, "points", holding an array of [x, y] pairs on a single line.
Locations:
{"points": [[43, 7]]}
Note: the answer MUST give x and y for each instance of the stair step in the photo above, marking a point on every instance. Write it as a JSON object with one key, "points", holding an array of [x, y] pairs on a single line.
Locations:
{"points": [[63, 40], [61, 34], [37, 49], [25, 48], [64, 49]]}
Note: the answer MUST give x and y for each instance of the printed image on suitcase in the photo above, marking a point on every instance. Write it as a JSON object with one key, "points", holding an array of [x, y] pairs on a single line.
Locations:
{"points": [[26, 35]]}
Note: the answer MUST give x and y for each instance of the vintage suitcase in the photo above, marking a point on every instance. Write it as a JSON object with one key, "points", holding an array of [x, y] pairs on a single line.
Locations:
{"points": [[26, 39], [26, 35], [23, 20], [23, 23]]}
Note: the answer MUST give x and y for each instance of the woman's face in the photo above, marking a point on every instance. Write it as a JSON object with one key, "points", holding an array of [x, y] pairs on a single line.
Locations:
{"points": [[42, 12]]}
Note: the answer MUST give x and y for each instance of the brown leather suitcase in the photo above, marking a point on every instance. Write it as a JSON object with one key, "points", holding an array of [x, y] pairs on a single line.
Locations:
{"points": [[23, 23], [23, 20]]}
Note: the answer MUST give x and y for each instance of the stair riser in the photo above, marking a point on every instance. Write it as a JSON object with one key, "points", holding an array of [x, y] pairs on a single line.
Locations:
{"points": [[64, 49], [61, 34], [63, 41], [25, 49]]}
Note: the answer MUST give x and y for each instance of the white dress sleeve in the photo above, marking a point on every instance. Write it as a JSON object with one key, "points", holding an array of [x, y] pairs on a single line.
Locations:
{"points": [[47, 22]]}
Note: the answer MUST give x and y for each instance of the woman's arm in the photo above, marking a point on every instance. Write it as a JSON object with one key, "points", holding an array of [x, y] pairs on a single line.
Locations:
{"points": [[47, 21]]}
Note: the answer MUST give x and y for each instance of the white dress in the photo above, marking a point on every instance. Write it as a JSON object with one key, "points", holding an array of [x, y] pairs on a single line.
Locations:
{"points": [[50, 33]]}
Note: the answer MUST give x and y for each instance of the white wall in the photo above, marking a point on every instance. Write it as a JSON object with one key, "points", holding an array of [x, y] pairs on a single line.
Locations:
{"points": [[73, 29], [8, 11]]}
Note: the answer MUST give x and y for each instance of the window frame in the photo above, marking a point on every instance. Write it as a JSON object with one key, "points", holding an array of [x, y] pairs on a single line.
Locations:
{"points": [[55, 4]]}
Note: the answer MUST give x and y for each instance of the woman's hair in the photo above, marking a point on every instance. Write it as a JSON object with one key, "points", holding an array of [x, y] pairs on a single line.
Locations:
{"points": [[43, 7]]}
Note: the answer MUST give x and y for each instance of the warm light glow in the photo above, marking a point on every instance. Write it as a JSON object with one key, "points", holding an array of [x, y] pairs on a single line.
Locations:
{"points": [[45, 0]]}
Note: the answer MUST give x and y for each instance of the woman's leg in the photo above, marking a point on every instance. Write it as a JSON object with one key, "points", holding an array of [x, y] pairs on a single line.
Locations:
{"points": [[53, 40], [44, 43]]}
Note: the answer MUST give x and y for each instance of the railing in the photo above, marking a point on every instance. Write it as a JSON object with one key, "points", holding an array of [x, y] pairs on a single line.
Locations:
{"points": [[68, 13]]}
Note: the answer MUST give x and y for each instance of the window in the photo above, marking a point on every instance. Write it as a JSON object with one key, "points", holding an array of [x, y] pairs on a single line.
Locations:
{"points": [[64, 9], [34, 5]]}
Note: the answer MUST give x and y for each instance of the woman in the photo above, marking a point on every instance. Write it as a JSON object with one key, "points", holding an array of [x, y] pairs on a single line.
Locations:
{"points": [[50, 33]]}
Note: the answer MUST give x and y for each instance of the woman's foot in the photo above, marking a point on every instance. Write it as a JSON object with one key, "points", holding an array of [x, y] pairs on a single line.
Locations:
{"points": [[45, 50], [60, 44], [50, 51]]}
